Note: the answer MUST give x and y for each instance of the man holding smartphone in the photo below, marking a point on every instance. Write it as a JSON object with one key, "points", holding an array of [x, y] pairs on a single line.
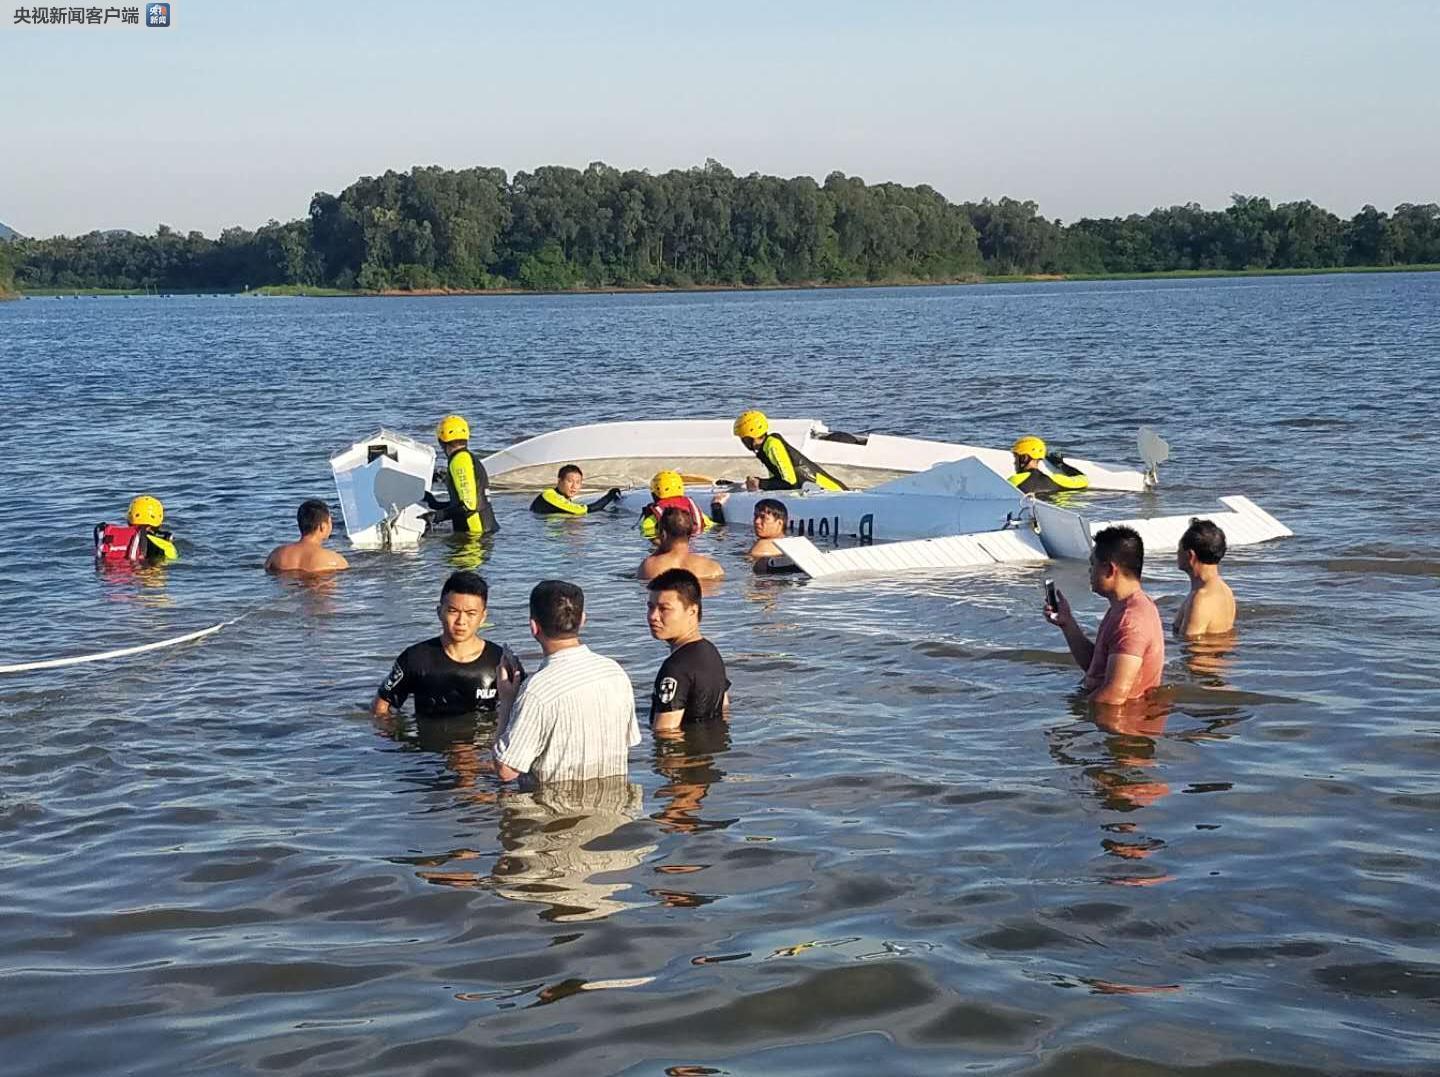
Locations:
{"points": [[1127, 657]]}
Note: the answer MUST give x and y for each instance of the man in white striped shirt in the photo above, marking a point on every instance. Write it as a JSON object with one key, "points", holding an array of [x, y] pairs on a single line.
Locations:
{"points": [[575, 718]]}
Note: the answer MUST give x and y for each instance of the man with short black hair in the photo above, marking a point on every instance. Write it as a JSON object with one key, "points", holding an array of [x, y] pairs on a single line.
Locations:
{"points": [[559, 500], [1209, 608], [1127, 658], [308, 555], [676, 527], [575, 719], [691, 686], [456, 673], [771, 518]]}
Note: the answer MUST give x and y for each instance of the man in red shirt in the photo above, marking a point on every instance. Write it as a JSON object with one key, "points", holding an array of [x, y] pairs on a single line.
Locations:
{"points": [[1127, 658]]}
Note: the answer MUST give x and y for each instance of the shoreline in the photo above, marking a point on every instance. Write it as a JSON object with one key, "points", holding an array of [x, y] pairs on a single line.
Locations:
{"points": [[309, 292]]}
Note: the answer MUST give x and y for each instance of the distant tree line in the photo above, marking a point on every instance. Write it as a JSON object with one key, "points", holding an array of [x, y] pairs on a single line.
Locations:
{"points": [[562, 228], [7, 270]]}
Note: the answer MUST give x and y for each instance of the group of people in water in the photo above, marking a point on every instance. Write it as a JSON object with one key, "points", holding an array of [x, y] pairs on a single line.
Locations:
{"points": [[575, 718]]}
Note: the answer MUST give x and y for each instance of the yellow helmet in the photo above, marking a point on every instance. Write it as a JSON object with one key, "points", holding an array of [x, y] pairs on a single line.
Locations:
{"points": [[1030, 446], [146, 510], [667, 484], [752, 424], [452, 428]]}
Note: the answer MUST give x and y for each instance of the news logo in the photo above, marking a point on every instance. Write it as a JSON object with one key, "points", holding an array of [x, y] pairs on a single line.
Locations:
{"points": [[157, 14]]}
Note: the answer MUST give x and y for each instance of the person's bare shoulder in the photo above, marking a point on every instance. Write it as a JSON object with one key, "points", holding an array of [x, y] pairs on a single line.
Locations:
{"points": [[1211, 611], [705, 568], [330, 561], [295, 558], [281, 559], [764, 548]]}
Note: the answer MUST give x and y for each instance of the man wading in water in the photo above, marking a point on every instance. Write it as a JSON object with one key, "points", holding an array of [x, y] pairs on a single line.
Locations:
{"points": [[456, 673], [1128, 655], [1209, 608]]}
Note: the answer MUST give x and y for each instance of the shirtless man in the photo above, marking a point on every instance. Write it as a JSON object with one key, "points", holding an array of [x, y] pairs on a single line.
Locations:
{"points": [[674, 551], [309, 555], [1209, 608]]}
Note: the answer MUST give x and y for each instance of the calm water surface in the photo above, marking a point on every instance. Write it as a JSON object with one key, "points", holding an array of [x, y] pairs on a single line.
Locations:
{"points": [[914, 852]]}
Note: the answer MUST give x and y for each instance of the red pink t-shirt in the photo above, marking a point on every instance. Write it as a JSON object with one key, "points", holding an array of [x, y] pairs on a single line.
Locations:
{"points": [[1130, 627]]}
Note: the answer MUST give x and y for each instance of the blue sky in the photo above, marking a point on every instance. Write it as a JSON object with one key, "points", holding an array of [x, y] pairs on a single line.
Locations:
{"points": [[240, 111]]}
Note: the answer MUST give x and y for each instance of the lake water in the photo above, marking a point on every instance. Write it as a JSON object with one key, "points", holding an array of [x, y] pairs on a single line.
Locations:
{"points": [[913, 853]]}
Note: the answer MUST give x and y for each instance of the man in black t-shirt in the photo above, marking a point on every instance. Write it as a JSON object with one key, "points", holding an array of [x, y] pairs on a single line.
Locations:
{"points": [[691, 686], [453, 674]]}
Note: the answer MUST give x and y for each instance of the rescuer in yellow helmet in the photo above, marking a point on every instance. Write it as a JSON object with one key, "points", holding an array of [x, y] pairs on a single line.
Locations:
{"points": [[1040, 473], [139, 539], [667, 491], [789, 469], [468, 509]]}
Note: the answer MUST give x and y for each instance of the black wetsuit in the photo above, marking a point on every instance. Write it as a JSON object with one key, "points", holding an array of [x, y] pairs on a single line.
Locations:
{"points": [[552, 502], [791, 469], [692, 679], [468, 509], [1062, 478], [1035, 482], [443, 687]]}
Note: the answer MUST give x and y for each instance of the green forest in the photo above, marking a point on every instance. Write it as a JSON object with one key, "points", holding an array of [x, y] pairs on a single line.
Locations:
{"points": [[7, 271], [556, 229]]}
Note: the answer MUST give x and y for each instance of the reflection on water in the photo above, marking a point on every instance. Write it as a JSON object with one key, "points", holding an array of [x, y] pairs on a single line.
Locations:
{"points": [[129, 583], [1123, 769], [318, 592], [686, 759], [555, 838], [555, 842], [1209, 658], [466, 551]]}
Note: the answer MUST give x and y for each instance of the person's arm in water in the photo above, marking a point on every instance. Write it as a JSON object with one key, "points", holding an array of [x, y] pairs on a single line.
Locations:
{"points": [[1122, 672], [671, 691], [551, 502], [1081, 647], [605, 500], [665, 721], [1066, 476], [159, 547], [774, 566], [393, 691]]}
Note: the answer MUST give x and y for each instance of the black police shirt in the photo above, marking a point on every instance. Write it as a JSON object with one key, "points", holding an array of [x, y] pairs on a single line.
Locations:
{"points": [[443, 687], [692, 679]]}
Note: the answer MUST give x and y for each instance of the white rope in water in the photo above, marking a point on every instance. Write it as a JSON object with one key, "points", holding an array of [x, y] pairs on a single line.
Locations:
{"points": [[123, 652]]}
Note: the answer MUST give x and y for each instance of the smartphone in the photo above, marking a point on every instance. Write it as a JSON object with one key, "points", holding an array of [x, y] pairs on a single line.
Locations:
{"points": [[1052, 597]]}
